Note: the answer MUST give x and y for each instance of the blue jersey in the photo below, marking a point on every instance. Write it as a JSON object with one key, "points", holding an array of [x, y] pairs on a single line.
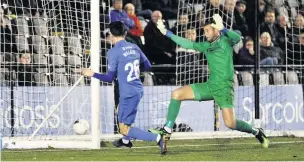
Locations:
{"points": [[124, 59]]}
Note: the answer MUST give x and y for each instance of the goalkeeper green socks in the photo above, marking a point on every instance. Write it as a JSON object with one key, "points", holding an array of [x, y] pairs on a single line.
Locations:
{"points": [[245, 127], [173, 110]]}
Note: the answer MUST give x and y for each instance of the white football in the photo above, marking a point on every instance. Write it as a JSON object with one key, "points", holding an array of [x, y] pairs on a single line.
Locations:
{"points": [[81, 126]]}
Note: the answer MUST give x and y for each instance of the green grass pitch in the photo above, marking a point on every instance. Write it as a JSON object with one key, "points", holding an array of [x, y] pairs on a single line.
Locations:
{"points": [[244, 149]]}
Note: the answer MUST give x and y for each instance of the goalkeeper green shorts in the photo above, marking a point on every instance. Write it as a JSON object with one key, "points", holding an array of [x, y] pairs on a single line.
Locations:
{"points": [[221, 92]]}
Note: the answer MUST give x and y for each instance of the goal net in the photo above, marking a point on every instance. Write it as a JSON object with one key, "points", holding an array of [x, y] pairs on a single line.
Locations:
{"points": [[44, 46], [281, 95]]}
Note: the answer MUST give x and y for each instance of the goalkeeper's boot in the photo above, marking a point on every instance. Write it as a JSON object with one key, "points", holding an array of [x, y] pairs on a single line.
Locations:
{"points": [[262, 138], [119, 143], [161, 131]]}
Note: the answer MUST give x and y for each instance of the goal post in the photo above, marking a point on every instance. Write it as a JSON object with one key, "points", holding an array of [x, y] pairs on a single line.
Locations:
{"points": [[95, 83], [44, 47]]}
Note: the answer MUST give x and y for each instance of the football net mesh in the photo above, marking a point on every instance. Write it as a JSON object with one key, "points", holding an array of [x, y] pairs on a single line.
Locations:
{"points": [[281, 99], [191, 67], [44, 46]]}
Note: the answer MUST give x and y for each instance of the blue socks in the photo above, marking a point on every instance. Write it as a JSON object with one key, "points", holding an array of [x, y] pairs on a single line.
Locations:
{"points": [[142, 135]]}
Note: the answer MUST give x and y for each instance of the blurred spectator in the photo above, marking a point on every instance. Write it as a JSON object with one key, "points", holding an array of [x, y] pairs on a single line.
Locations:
{"points": [[28, 7], [228, 17], [120, 15], [139, 8], [24, 70], [169, 8], [246, 54], [270, 27], [182, 24], [198, 23], [240, 18], [136, 30], [24, 58], [281, 25], [263, 7], [158, 48], [191, 34], [299, 22], [269, 54], [295, 55], [212, 7], [298, 27], [230, 5]]}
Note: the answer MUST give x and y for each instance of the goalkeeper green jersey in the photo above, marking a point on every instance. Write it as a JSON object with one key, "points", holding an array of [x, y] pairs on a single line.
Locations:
{"points": [[219, 54]]}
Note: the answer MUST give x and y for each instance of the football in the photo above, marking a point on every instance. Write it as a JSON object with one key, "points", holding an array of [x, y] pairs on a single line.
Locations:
{"points": [[81, 126]]}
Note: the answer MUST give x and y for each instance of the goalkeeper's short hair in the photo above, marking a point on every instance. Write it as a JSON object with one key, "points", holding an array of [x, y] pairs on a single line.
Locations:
{"points": [[209, 22]]}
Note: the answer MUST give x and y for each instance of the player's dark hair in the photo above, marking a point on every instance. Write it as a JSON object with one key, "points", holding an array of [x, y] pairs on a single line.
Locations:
{"points": [[117, 29]]}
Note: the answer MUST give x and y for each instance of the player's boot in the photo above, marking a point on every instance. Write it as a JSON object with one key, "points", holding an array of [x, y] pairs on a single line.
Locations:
{"points": [[165, 137], [161, 131], [161, 144], [262, 138], [119, 143]]}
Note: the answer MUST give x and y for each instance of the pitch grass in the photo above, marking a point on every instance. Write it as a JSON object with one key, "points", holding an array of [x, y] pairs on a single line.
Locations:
{"points": [[283, 148]]}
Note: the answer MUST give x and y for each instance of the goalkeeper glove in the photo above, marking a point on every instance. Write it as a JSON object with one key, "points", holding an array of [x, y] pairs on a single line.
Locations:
{"points": [[161, 27], [218, 23]]}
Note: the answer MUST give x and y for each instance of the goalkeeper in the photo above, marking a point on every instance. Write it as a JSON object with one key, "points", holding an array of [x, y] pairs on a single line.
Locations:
{"points": [[220, 86]]}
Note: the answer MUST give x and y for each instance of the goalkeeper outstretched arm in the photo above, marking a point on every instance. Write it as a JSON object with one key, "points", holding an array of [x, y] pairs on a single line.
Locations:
{"points": [[201, 47], [183, 42]]}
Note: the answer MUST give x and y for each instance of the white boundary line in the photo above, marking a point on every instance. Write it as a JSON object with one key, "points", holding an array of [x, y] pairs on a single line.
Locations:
{"points": [[84, 141], [146, 147], [220, 144]]}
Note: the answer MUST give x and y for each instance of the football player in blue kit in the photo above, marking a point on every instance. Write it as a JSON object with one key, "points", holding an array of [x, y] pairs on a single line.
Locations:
{"points": [[125, 61]]}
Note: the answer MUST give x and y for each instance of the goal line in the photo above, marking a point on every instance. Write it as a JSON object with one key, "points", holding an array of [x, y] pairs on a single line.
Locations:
{"points": [[84, 141]]}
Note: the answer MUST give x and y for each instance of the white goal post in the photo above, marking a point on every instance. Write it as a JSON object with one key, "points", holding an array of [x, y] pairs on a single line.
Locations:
{"points": [[95, 83], [49, 30]]}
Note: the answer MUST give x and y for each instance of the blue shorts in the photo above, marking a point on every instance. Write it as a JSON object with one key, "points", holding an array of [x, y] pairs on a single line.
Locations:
{"points": [[127, 109]]}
